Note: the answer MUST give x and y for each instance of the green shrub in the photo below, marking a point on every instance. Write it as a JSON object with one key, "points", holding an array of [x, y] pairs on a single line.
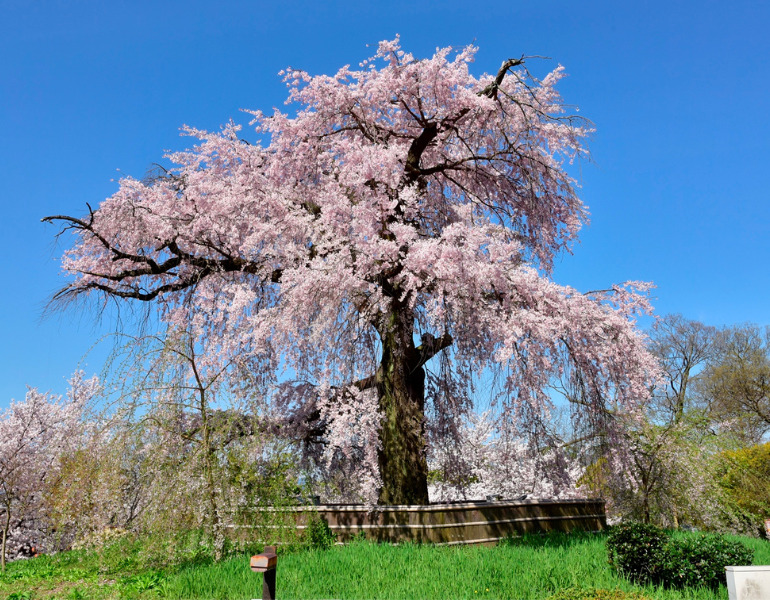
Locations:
{"points": [[635, 550], [318, 534], [645, 554], [701, 561]]}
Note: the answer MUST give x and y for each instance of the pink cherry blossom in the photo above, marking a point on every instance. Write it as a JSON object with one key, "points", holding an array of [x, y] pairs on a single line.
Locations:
{"points": [[34, 434]]}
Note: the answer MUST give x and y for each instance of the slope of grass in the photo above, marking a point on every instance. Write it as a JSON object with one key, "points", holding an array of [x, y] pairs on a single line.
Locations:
{"points": [[528, 568], [119, 571]]}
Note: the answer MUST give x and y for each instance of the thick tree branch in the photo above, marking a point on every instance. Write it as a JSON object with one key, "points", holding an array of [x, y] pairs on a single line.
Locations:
{"points": [[412, 170], [431, 346], [491, 90], [412, 167]]}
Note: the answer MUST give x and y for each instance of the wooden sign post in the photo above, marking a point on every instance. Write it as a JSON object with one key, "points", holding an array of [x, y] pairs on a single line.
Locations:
{"points": [[265, 563]]}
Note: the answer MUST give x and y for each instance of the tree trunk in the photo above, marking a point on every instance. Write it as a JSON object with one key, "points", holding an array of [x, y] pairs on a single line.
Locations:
{"points": [[401, 390], [4, 542], [209, 461]]}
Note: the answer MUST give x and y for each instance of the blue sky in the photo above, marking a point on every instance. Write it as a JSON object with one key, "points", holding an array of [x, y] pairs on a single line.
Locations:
{"points": [[678, 92]]}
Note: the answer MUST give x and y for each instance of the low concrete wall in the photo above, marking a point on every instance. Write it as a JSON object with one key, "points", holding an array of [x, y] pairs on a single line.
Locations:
{"points": [[474, 522]]}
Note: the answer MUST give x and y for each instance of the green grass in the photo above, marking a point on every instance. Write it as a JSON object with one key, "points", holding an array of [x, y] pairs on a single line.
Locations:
{"points": [[528, 568]]}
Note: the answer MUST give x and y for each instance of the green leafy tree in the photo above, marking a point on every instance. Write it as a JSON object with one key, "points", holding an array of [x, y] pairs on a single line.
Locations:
{"points": [[736, 386], [745, 475]]}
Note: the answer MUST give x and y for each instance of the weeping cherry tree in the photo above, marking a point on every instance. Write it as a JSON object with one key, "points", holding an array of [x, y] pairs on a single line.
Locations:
{"points": [[373, 252]]}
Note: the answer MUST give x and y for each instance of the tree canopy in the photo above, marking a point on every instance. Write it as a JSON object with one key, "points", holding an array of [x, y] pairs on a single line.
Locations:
{"points": [[372, 253]]}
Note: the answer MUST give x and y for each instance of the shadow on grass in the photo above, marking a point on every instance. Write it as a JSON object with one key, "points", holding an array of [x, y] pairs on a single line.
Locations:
{"points": [[554, 540]]}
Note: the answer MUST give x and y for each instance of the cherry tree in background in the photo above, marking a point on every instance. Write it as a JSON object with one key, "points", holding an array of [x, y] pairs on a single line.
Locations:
{"points": [[481, 462], [374, 253], [34, 434]]}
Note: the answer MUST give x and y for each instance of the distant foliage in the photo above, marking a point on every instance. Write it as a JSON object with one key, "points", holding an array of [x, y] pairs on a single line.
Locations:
{"points": [[645, 554], [666, 466], [737, 385]]}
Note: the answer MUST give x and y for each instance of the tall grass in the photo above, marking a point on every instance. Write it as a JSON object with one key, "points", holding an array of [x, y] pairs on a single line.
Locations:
{"points": [[528, 568]]}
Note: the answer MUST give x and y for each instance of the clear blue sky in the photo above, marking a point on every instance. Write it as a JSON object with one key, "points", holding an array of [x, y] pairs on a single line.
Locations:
{"points": [[679, 93]]}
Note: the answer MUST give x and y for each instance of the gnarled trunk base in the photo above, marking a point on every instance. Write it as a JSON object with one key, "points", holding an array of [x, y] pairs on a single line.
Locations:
{"points": [[401, 389]]}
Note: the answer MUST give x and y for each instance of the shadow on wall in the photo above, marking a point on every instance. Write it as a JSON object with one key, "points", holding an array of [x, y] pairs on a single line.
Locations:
{"points": [[472, 522]]}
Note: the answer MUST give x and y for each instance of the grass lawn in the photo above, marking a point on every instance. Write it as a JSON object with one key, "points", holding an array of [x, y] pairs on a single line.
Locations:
{"points": [[528, 568]]}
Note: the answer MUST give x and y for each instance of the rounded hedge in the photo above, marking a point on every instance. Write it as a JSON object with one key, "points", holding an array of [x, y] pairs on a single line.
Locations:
{"points": [[647, 554]]}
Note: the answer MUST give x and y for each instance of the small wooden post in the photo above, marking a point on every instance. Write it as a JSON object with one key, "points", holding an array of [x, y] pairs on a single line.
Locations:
{"points": [[265, 563]]}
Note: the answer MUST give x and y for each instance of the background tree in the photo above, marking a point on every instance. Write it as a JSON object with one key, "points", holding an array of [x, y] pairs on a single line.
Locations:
{"points": [[684, 347], [34, 433], [408, 210], [664, 474], [482, 463], [201, 440], [736, 387], [682, 459], [102, 482], [745, 476], [671, 447]]}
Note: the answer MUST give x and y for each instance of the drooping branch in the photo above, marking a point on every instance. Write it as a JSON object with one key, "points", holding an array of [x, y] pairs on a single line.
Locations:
{"points": [[313, 425], [229, 425]]}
